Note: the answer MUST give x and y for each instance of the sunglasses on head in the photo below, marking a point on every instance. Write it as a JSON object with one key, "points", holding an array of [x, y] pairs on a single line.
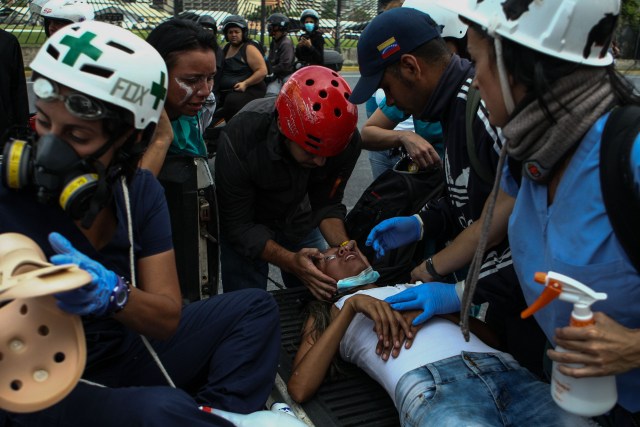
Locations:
{"points": [[78, 104]]}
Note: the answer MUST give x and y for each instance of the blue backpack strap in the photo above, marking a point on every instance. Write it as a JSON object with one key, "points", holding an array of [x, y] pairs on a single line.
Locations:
{"points": [[616, 178]]}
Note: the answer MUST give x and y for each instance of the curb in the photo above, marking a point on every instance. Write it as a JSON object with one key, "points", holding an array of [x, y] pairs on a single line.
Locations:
{"points": [[623, 69]]}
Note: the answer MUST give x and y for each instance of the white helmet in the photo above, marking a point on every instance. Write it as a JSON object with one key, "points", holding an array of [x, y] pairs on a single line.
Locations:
{"points": [[108, 63], [67, 10], [451, 24], [574, 30]]}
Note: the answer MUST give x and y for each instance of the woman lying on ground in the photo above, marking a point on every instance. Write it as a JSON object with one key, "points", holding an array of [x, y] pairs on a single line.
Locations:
{"points": [[483, 386]]}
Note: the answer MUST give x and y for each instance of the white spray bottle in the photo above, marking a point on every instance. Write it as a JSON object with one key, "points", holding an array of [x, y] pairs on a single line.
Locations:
{"points": [[589, 396], [257, 419]]}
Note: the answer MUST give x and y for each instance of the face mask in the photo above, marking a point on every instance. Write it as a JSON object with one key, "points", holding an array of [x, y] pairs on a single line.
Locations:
{"points": [[368, 275], [309, 26], [53, 169]]}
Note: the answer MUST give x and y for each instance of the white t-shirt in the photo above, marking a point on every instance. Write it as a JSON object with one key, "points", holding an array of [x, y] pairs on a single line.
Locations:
{"points": [[438, 339]]}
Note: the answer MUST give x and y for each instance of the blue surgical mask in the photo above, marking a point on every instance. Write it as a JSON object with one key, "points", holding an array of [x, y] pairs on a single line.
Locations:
{"points": [[309, 26], [368, 275]]}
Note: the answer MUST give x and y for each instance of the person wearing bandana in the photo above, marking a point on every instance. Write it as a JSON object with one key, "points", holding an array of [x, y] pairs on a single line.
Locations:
{"points": [[554, 97]]}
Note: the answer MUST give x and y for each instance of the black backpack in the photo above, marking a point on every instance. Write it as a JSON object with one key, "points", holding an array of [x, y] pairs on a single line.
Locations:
{"points": [[392, 194], [396, 193], [616, 179]]}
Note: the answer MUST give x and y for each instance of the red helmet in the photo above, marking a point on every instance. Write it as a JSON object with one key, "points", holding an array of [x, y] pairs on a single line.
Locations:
{"points": [[314, 111]]}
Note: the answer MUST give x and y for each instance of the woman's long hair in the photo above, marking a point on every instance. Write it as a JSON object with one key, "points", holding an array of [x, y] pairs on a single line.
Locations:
{"points": [[321, 313], [179, 35]]}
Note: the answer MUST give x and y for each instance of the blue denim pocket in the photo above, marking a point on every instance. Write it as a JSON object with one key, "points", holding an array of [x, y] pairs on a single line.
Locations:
{"points": [[415, 393], [477, 389]]}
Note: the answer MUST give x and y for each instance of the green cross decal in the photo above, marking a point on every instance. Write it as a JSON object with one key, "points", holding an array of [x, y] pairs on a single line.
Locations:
{"points": [[158, 90], [78, 46]]}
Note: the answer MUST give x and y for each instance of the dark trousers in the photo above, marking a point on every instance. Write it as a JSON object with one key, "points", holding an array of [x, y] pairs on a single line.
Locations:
{"points": [[233, 101], [224, 355]]}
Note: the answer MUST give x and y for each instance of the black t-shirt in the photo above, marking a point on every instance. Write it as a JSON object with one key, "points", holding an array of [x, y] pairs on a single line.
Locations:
{"points": [[263, 190], [20, 212], [14, 105], [313, 55]]}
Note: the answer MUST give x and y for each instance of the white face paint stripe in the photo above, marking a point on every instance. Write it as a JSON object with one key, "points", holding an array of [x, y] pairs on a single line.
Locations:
{"points": [[184, 86]]}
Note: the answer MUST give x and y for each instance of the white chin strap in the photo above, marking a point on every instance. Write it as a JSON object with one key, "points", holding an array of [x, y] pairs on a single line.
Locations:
{"points": [[507, 96]]}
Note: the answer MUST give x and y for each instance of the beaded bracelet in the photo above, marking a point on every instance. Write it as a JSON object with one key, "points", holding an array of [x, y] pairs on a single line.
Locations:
{"points": [[119, 296]]}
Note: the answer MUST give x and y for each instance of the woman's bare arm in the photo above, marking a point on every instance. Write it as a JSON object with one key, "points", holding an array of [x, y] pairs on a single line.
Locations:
{"points": [[154, 306], [257, 63], [314, 357], [312, 361]]}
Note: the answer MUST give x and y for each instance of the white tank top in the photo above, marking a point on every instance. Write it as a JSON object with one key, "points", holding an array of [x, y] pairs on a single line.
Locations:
{"points": [[438, 339]]}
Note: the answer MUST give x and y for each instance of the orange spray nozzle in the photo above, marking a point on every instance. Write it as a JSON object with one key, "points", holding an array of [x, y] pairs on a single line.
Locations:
{"points": [[553, 289]]}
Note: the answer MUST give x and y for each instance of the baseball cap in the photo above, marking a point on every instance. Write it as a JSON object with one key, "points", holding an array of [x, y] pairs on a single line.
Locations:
{"points": [[387, 37]]}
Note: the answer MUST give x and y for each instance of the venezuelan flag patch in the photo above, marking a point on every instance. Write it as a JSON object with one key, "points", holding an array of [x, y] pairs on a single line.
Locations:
{"points": [[388, 47]]}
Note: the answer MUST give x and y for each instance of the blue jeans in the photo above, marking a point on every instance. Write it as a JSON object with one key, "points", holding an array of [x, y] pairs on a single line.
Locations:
{"points": [[224, 355], [478, 389], [381, 161], [239, 272]]}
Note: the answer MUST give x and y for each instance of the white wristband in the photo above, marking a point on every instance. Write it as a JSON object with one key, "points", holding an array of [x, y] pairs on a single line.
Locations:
{"points": [[460, 289], [421, 225]]}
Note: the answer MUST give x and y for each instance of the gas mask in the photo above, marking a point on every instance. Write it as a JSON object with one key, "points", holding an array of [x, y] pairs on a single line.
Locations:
{"points": [[52, 169]]}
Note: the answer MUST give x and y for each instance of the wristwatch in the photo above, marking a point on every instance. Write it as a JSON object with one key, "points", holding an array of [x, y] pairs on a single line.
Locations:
{"points": [[432, 271], [119, 296]]}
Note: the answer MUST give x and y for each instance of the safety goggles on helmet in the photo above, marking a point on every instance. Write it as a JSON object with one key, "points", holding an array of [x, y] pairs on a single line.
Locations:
{"points": [[110, 64], [78, 104]]}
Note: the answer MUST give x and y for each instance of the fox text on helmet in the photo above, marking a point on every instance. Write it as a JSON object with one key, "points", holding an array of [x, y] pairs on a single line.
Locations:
{"points": [[103, 60]]}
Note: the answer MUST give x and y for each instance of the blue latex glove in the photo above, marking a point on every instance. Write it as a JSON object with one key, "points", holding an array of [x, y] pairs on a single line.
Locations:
{"points": [[433, 298], [393, 233], [89, 299]]}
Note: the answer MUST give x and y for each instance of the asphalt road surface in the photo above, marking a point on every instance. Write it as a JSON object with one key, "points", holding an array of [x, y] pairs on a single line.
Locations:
{"points": [[361, 176]]}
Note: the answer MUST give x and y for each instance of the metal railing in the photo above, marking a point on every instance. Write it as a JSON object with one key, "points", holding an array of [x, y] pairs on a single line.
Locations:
{"points": [[341, 21]]}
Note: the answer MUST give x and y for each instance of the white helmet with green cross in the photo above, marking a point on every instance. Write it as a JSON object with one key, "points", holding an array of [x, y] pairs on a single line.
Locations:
{"points": [[108, 63]]}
